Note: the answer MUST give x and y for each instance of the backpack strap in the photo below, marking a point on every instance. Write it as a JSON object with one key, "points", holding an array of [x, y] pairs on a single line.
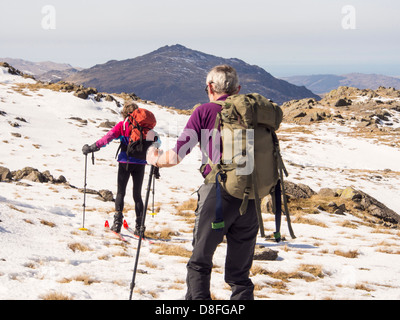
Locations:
{"points": [[282, 171], [253, 177], [276, 197], [215, 168], [245, 202], [140, 128], [118, 150], [278, 155], [124, 128], [257, 203], [219, 223]]}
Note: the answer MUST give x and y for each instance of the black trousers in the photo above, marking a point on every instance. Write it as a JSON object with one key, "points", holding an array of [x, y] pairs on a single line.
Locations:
{"points": [[136, 171], [241, 233]]}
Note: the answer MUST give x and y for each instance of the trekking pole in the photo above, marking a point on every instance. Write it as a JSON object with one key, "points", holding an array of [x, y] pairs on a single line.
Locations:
{"points": [[153, 213], [156, 176], [84, 197], [141, 230]]}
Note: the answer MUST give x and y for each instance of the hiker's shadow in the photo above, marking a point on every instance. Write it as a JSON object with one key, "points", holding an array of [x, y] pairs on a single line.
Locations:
{"points": [[2, 230], [284, 245], [287, 244]]}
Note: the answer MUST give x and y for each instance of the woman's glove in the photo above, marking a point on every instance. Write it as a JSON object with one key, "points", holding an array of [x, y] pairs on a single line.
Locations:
{"points": [[86, 149]]}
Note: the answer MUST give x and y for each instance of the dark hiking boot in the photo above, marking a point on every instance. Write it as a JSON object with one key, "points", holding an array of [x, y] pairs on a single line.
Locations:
{"points": [[118, 221], [137, 230]]}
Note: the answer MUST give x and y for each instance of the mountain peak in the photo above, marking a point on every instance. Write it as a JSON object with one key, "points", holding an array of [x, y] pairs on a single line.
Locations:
{"points": [[178, 50], [173, 75], [176, 47], [172, 48]]}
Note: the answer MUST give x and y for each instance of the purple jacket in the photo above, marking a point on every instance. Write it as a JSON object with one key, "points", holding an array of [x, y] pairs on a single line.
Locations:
{"points": [[199, 129], [120, 131]]}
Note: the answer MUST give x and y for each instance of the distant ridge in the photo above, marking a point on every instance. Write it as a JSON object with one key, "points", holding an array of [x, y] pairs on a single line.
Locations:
{"points": [[45, 71], [323, 83], [175, 76]]}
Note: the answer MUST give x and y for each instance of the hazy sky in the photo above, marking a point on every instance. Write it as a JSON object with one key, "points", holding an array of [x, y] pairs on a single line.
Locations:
{"points": [[285, 37]]}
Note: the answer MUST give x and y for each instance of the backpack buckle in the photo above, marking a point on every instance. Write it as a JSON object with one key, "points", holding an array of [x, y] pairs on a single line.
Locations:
{"points": [[218, 225], [222, 177]]}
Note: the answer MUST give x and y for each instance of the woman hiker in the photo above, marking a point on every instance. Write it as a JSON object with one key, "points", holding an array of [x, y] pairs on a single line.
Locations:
{"points": [[127, 167]]}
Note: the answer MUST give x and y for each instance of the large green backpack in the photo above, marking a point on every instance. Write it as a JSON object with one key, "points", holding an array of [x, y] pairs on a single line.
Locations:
{"points": [[251, 165]]}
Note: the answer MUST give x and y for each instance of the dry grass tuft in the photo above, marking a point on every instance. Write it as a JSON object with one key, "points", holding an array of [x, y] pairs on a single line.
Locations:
{"points": [[170, 250], [348, 224], [86, 279], [142, 292], [304, 220], [362, 286], [186, 208], [55, 296], [305, 271], [388, 251], [12, 207], [121, 254], [76, 246], [186, 211], [349, 254], [165, 234], [48, 223], [150, 265]]}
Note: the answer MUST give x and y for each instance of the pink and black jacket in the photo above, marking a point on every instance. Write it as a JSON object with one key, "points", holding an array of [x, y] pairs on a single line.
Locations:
{"points": [[121, 132]]}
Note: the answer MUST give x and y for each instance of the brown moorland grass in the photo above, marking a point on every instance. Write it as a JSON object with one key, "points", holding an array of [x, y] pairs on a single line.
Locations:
{"points": [[304, 271], [170, 250], [55, 296]]}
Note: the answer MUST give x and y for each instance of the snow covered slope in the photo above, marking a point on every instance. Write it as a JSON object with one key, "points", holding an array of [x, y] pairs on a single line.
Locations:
{"points": [[44, 255]]}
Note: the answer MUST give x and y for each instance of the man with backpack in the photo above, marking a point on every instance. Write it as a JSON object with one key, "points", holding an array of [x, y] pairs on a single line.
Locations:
{"points": [[219, 213]]}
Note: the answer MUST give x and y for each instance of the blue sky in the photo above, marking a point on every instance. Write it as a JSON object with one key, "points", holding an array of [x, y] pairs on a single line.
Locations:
{"points": [[286, 37]]}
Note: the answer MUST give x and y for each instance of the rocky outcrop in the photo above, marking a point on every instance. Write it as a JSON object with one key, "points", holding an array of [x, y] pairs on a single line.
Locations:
{"points": [[262, 253], [84, 93], [375, 110], [298, 191], [5, 174], [78, 91], [14, 71], [34, 175], [106, 195], [107, 124], [339, 202], [103, 195], [370, 205]]}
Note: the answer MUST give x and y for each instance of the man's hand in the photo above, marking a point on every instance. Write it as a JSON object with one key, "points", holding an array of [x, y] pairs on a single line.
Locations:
{"points": [[152, 156]]}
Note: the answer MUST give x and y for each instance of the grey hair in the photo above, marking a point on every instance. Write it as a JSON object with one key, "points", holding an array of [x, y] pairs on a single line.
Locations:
{"points": [[224, 78]]}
